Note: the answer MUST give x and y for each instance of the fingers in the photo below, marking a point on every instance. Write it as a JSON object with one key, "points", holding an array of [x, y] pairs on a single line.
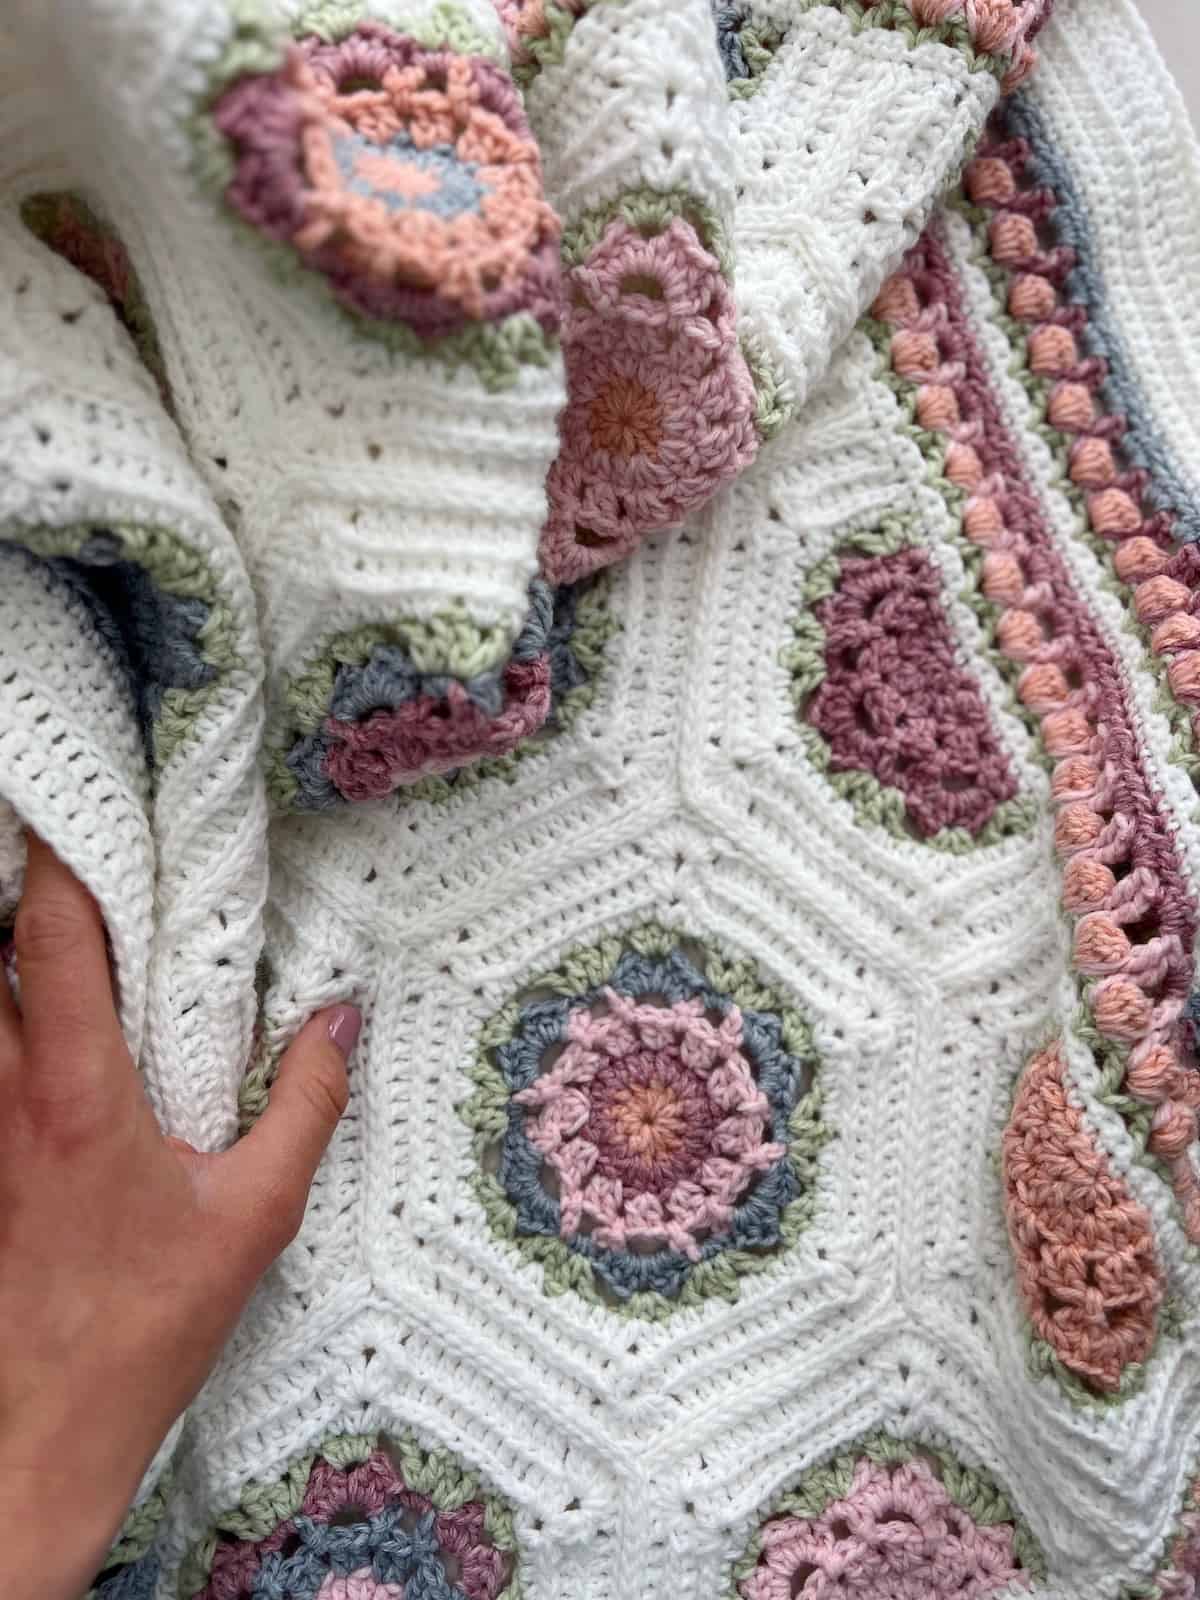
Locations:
{"points": [[10, 1019], [266, 1176], [71, 1034]]}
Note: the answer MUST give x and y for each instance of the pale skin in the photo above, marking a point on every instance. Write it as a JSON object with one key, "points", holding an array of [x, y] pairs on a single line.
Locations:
{"points": [[126, 1257]]}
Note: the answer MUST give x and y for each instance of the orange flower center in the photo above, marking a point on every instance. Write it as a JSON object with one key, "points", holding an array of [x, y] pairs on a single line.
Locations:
{"points": [[626, 419], [650, 1119], [386, 175]]}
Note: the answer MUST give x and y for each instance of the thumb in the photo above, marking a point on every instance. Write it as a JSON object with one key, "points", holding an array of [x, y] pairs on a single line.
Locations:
{"points": [[268, 1173]]}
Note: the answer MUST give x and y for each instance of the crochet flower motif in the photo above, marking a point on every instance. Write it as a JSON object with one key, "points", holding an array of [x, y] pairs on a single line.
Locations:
{"points": [[653, 1123], [391, 725], [896, 1532], [895, 702], [652, 1136], [361, 1533], [408, 177], [430, 734], [660, 402]]}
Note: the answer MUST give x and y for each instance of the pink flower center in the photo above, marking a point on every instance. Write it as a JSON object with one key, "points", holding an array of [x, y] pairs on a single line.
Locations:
{"points": [[651, 1122]]}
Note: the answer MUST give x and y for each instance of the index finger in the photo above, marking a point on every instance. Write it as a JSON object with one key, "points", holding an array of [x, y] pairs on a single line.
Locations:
{"points": [[68, 1014]]}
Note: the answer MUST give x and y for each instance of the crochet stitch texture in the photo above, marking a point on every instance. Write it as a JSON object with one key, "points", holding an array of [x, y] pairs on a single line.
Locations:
{"points": [[652, 545]]}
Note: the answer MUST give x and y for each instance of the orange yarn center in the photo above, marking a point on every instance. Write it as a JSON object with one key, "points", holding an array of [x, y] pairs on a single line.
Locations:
{"points": [[388, 176], [626, 419], [650, 1119]]}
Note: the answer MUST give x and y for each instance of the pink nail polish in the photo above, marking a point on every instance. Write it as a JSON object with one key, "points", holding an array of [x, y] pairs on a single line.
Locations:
{"points": [[344, 1026]]}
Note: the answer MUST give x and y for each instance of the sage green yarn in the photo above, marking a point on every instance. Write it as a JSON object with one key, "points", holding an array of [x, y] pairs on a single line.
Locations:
{"points": [[774, 402], [970, 1488], [649, 212], [254, 1089], [139, 1528], [434, 1473], [497, 352], [896, 16], [485, 1112], [595, 626], [179, 569], [759, 44], [444, 25], [876, 804], [1184, 749], [550, 48], [450, 641], [1042, 1362]]}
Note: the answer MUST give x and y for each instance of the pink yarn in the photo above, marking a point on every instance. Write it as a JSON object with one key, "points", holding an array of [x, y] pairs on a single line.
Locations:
{"points": [[370, 1485], [660, 408], [896, 1536], [652, 1121], [361, 1585], [463, 1534], [427, 735], [364, 1490], [525, 22]]}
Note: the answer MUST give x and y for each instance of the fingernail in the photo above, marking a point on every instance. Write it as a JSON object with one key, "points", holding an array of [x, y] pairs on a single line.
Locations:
{"points": [[344, 1026]]}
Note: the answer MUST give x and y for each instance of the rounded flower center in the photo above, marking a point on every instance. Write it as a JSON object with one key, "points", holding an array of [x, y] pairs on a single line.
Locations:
{"points": [[402, 177], [651, 1121], [408, 177], [626, 418]]}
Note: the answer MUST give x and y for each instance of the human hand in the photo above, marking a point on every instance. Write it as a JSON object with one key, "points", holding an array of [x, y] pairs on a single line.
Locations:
{"points": [[125, 1257]]}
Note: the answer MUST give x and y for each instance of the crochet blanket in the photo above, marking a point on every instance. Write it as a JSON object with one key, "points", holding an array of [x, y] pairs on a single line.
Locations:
{"points": [[651, 545]]}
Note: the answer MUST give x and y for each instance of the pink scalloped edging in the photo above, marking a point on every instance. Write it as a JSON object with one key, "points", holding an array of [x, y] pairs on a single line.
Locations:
{"points": [[1135, 918]]}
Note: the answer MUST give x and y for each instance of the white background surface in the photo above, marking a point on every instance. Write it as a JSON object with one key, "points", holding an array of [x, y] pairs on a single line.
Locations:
{"points": [[1176, 26]]}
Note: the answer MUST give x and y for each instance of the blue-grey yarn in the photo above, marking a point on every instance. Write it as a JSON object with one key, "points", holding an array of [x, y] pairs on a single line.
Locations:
{"points": [[756, 1222], [380, 1543], [1143, 444], [1191, 1014], [730, 21], [566, 673], [135, 1582], [155, 634], [458, 189], [539, 620], [315, 789], [389, 678]]}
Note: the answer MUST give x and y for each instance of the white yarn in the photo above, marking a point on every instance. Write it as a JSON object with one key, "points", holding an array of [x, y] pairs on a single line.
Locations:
{"points": [[840, 156], [84, 440], [637, 1455], [638, 102], [63, 685], [360, 485]]}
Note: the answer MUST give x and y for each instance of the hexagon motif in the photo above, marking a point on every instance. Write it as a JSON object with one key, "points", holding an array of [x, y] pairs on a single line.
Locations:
{"points": [[653, 1121]]}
